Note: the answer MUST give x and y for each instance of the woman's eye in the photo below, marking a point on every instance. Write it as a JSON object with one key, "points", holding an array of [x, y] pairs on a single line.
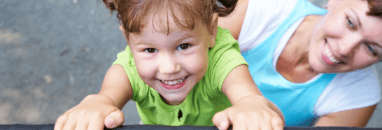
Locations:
{"points": [[183, 46], [370, 48], [350, 22], [151, 50]]}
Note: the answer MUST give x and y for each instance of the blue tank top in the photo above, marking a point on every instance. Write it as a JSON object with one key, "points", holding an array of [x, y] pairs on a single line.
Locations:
{"points": [[296, 100]]}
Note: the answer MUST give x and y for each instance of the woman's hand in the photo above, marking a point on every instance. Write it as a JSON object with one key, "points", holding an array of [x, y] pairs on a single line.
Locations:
{"points": [[93, 113], [250, 113]]}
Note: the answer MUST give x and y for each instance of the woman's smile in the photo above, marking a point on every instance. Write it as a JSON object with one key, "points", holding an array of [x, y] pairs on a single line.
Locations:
{"points": [[328, 56]]}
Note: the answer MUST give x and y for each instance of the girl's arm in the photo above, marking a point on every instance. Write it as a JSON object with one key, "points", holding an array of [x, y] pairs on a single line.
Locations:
{"points": [[116, 85], [102, 109], [250, 110], [348, 118], [234, 21]]}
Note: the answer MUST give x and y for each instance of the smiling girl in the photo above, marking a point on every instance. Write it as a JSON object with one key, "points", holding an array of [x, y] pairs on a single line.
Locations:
{"points": [[179, 68]]}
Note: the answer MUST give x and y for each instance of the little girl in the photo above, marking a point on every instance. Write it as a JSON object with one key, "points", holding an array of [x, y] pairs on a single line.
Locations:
{"points": [[179, 68]]}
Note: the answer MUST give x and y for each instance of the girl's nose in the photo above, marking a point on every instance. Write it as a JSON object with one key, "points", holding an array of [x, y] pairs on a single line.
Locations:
{"points": [[168, 65], [349, 44]]}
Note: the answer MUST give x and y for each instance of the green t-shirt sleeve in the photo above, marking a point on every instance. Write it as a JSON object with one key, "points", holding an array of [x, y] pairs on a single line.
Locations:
{"points": [[126, 60], [223, 58]]}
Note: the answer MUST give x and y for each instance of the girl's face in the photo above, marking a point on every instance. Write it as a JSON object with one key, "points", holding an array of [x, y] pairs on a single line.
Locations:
{"points": [[171, 63], [346, 38]]}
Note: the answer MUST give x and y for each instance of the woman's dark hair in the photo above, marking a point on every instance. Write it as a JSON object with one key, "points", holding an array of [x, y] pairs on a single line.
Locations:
{"points": [[375, 7]]}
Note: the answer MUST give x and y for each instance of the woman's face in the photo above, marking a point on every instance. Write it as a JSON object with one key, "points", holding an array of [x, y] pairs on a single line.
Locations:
{"points": [[346, 39]]}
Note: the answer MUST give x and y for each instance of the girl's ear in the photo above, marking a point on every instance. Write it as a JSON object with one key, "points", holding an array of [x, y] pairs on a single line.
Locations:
{"points": [[123, 32], [214, 29]]}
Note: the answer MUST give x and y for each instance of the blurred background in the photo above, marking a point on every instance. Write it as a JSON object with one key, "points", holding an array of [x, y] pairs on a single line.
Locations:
{"points": [[55, 52]]}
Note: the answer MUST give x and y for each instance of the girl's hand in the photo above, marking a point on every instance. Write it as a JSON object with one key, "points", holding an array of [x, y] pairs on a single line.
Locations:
{"points": [[93, 113], [250, 113]]}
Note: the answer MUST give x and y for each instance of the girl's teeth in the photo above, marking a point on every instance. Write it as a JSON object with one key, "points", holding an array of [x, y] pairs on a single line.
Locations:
{"points": [[174, 82]]}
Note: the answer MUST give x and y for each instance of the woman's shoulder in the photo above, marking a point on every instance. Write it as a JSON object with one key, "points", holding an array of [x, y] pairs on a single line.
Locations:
{"points": [[368, 73], [255, 10], [350, 90], [262, 18], [360, 81]]}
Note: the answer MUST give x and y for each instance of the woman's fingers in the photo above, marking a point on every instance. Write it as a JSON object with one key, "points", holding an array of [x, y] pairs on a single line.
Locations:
{"points": [[114, 119]]}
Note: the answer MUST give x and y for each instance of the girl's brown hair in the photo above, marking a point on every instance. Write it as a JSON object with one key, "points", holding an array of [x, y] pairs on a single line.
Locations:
{"points": [[133, 13], [375, 8]]}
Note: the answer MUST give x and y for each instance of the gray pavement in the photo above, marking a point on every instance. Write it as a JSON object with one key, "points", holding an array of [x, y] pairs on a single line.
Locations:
{"points": [[55, 52]]}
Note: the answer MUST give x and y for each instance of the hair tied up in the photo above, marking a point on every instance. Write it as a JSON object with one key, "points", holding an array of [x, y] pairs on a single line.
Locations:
{"points": [[224, 7], [111, 4], [375, 8]]}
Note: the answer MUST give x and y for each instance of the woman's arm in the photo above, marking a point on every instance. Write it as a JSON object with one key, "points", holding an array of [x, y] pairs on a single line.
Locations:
{"points": [[351, 99], [349, 118], [250, 109], [234, 21]]}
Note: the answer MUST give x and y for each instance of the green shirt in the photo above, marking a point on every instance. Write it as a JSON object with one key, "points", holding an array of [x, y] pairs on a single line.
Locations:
{"points": [[203, 101]]}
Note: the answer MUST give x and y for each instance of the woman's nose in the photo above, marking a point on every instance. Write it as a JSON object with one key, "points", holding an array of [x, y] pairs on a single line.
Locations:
{"points": [[168, 65], [349, 44]]}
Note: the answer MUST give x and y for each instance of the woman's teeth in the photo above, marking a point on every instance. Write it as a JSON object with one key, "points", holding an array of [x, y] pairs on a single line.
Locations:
{"points": [[329, 54], [173, 82]]}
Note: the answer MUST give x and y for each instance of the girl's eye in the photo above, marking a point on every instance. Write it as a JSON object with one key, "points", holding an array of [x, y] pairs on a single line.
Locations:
{"points": [[151, 50], [183, 46], [350, 22]]}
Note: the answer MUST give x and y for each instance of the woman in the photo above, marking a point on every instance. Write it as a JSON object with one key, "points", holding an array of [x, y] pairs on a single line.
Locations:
{"points": [[313, 62]]}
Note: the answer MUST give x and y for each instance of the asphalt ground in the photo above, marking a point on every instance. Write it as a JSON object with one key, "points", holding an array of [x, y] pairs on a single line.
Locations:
{"points": [[55, 52]]}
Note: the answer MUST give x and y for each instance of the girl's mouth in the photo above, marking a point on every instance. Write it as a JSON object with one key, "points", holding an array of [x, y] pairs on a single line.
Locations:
{"points": [[173, 84]]}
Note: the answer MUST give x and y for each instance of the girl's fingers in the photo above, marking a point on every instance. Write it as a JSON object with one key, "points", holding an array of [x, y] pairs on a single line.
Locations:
{"points": [[277, 123], [240, 125], [70, 124], [265, 125], [221, 120], [82, 124], [60, 122], [114, 119], [96, 123]]}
